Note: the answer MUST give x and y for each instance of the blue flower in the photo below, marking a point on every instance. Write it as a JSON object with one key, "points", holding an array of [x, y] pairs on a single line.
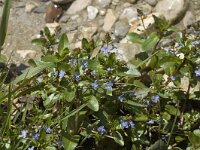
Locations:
{"points": [[101, 130], [47, 129], [35, 135], [147, 102], [73, 62], [95, 85], [172, 78], [108, 86], [76, 76], [24, 133], [31, 148], [125, 124], [40, 79], [54, 73], [94, 72], [194, 43], [121, 98], [155, 99], [150, 122], [105, 49], [61, 74], [84, 64], [197, 72], [132, 125]]}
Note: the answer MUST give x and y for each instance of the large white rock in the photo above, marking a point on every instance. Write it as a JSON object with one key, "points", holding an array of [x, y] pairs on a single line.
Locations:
{"points": [[92, 12], [172, 9], [78, 6], [109, 20]]}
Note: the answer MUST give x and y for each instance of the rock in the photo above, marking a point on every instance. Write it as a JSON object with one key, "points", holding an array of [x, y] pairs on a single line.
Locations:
{"points": [[188, 19], [53, 27], [62, 1], [109, 20], [151, 2], [88, 32], [138, 27], [102, 12], [129, 13], [92, 12], [144, 7], [172, 10], [30, 7], [53, 13], [104, 3], [26, 53], [132, 1], [127, 51], [121, 28], [78, 6], [40, 9]]}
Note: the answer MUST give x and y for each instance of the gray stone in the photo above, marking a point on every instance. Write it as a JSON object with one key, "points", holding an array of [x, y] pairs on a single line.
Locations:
{"points": [[30, 7], [188, 19], [62, 1], [151, 2], [129, 13], [172, 9], [132, 1], [109, 20], [121, 28], [78, 6], [92, 12], [104, 3], [88, 32]]}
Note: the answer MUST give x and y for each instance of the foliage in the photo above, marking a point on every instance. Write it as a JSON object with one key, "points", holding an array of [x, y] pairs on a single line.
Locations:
{"points": [[86, 98]]}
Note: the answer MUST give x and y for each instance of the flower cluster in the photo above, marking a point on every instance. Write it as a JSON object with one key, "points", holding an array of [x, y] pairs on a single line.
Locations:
{"points": [[127, 124], [101, 130]]}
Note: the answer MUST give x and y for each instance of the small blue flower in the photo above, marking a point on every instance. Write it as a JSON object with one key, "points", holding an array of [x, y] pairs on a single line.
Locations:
{"points": [[31, 148], [39, 127], [155, 99], [108, 86], [24, 133], [121, 98], [147, 102], [150, 122], [125, 124], [35, 135], [95, 85], [76, 76], [73, 62], [47, 129], [132, 125], [40, 79], [84, 64], [101, 130], [94, 72], [194, 43], [197, 72], [105, 49], [61, 74], [172, 78], [54, 73]]}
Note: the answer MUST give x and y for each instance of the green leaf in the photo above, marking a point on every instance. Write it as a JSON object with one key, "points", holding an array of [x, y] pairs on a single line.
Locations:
{"points": [[4, 22], [69, 94], [39, 42], [150, 42], [51, 100], [133, 72], [197, 132], [93, 103], [3, 58], [142, 93], [50, 58], [195, 140], [139, 84], [32, 63], [70, 141], [50, 148], [140, 117], [118, 138], [172, 110], [63, 43], [94, 65], [161, 24], [158, 145], [134, 104], [135, 38], [30, 72]]}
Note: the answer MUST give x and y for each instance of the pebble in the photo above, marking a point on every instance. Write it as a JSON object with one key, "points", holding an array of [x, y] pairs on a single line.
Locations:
{"points": [[104, 3], [188, 19], [121, 28], [78, 6], [151, 2], [129, 13], [172, 10], [109, 20], [92, 12]]}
